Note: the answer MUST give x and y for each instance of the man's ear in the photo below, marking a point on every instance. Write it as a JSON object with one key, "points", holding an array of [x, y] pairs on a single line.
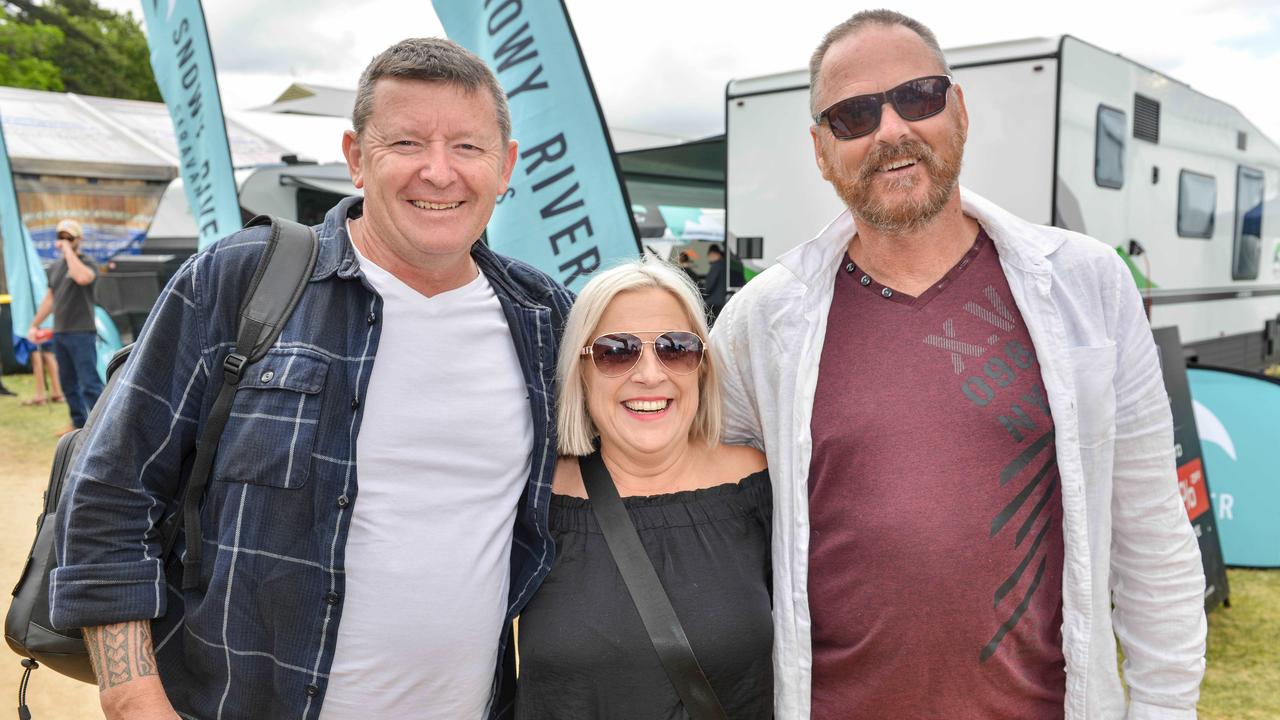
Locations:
{"points": [[351, 151], [817, 153], [509, 165], [961, 109]]}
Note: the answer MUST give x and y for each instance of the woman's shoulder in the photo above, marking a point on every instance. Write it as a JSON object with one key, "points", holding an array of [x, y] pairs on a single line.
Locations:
{"points": [[735, 462], [568, 478]]}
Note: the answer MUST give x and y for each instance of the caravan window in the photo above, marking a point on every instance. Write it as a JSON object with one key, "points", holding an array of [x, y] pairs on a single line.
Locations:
{"points": [[1248, 234], [1197, 198], [1108, 154]]}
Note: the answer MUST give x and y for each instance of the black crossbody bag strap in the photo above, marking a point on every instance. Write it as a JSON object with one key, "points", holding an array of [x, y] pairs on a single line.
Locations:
{"points": [[281, 276], [665, 631]]}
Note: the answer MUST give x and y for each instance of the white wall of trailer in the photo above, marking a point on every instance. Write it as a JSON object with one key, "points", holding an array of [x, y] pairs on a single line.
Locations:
{"points": [[1009, 93], [264, 190], [1197, 134], [773, 189]]}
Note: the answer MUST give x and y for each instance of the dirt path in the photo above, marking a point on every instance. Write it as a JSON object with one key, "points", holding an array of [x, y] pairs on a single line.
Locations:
{"points": [[26, 450]]}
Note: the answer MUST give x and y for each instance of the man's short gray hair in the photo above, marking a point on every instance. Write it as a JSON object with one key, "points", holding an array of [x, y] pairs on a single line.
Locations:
{"points": [[859, 21], [430, 60]]}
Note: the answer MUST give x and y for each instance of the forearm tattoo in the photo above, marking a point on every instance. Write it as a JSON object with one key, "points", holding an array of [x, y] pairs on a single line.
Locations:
{"points": [[120, 652]]}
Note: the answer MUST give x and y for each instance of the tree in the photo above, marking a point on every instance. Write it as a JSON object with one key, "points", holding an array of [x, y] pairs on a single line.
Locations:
{"points": [[97, 52], [25, 48]]}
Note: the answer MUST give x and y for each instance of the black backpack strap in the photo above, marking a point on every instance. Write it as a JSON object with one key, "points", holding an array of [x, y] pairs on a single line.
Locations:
{"points": [[277, 284], [665, 631]]}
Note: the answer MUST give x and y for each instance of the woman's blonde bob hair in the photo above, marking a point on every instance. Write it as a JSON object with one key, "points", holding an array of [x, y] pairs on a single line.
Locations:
{"points": [[576, 431]]}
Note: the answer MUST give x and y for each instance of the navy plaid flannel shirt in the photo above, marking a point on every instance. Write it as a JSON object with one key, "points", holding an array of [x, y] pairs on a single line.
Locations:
{"points": [[257, 639]]}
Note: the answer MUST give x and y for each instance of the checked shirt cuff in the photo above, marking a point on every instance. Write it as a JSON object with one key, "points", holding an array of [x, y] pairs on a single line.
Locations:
{"points": [[91, 595]]}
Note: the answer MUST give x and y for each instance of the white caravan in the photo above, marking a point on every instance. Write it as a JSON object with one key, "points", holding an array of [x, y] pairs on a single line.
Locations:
{"points": [[302, 192], [1064, 133]]}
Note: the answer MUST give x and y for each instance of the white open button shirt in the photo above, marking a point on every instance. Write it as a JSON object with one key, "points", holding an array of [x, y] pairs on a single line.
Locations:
{"points": [[1127, 536]]}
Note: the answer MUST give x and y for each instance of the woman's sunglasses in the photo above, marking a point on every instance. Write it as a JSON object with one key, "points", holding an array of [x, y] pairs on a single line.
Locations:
{"points": [[616, 353], [912, 100]]}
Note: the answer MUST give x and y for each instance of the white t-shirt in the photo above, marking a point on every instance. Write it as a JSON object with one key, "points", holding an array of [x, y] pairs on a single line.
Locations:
{"points": [[441, 459]]}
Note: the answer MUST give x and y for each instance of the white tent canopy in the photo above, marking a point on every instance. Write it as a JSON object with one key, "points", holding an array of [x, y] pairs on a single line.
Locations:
{"points": [[83, 136], [61, 134]]}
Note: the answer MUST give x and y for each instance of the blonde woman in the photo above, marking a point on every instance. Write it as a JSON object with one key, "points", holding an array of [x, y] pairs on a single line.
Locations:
{"points": [[638, 382]]}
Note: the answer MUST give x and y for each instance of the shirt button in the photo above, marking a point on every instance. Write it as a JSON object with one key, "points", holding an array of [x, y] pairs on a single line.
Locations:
{"points": [[373, 318], [312, 690], [865, 280], [266, 376], [355, 403], [849, 268], [886, 292], [331, 598], [343, 501]]}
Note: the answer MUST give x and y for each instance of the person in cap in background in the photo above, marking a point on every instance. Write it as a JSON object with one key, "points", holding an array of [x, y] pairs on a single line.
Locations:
{"points": [[686, 264], [70, 299], [713, 289]]}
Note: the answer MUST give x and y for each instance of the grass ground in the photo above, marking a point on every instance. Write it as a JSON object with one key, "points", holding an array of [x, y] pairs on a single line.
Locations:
{"points": [[1241, 682]]}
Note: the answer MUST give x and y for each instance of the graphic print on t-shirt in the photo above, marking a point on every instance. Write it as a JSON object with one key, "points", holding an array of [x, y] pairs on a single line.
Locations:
{"points": [[996, 363], [935, 541]]}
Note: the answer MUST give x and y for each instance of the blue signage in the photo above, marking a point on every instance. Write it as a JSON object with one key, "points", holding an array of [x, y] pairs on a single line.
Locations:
{"points": [[24, 273], [101, 242], [1238, 417], [183, 65], [566, 211]]}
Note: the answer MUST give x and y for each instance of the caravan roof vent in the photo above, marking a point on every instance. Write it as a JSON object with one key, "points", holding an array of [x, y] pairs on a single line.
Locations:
{"points": [[1242, 140], [1146, 118]]}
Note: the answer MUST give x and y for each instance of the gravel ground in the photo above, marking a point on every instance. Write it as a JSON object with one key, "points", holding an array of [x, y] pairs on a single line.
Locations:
{"points": [[26, 446]]}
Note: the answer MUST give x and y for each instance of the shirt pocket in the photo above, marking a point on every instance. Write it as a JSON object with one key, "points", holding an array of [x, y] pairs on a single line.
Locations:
{"points": [[1094, 370], [272, 430]]}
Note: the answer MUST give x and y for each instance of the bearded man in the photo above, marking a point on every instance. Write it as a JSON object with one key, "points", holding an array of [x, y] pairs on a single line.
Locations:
{"points": [[970, 440]]}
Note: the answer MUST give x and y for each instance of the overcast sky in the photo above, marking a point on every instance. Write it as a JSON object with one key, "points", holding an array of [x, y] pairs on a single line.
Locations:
{"points": [[661, 65]]}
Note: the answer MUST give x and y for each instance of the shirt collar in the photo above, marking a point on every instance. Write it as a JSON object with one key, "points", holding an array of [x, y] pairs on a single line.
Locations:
{"points": [[336, 254]]}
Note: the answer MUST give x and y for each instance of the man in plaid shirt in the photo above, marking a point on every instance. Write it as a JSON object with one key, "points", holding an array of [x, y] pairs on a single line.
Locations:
{"points": [[376, 513]]}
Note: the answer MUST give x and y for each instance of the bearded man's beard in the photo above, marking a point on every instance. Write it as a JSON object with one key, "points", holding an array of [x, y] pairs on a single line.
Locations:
{"points": [[881, 207]]}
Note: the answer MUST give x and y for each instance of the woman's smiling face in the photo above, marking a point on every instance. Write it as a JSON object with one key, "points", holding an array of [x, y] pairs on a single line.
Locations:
{"points": [[647, 409]]}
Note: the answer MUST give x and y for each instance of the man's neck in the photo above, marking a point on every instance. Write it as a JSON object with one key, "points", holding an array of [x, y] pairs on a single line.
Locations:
{"points": [[430, 275], [914, 261]]}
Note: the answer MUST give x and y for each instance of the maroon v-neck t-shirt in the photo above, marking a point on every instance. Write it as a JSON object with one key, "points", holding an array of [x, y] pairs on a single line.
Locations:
{"points": [[936, 544]]}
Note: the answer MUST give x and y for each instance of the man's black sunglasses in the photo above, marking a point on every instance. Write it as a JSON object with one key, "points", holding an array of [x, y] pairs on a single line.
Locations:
{"points": [[912, 100]]}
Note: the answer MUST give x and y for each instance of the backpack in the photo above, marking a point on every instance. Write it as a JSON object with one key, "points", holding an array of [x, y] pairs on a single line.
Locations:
{"points": [[278, 282]]}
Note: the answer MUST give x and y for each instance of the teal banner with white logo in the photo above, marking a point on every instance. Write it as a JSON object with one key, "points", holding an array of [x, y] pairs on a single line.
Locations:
{"points": [[25, 279], [183, 65], [566, 211], [1238, 416]]}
